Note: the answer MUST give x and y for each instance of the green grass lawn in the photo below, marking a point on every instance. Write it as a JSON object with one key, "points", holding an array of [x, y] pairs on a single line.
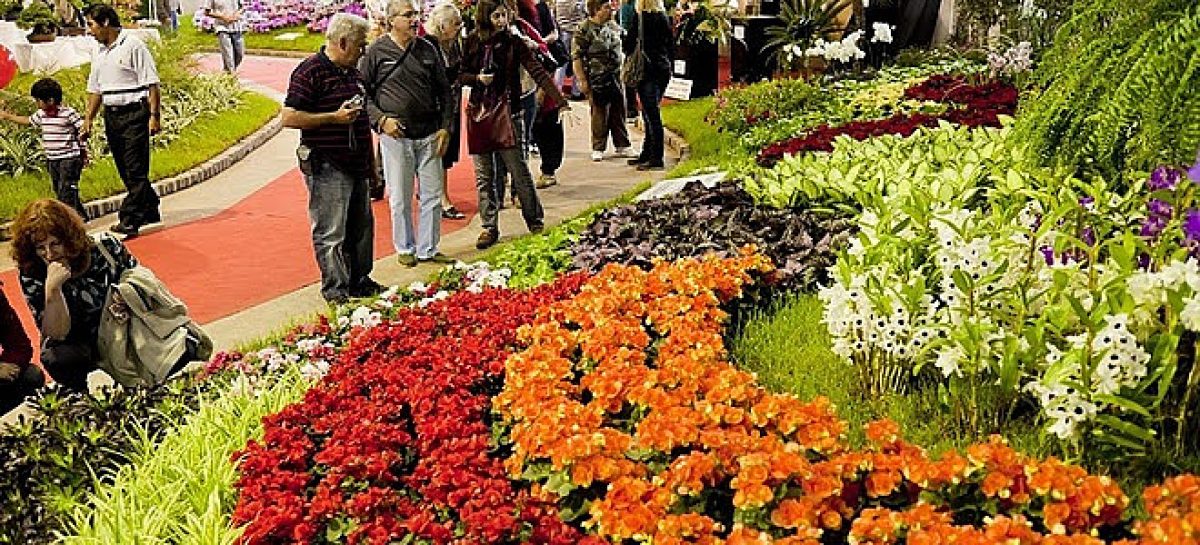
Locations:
{"points": [[199, 142], [307, 42], [788, 347], [710, 147]]}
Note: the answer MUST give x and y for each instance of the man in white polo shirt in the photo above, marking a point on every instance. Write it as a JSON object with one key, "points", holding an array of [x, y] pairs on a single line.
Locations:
{"points": [[231, 30], [124, 80]]}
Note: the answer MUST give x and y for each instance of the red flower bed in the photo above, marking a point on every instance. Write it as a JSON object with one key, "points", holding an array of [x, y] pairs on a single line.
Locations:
{"points": [[972, 106], [392, 445]]}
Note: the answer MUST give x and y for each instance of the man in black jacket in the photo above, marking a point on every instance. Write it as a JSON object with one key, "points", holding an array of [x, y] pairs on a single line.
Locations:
{"points": [[409, 104]]}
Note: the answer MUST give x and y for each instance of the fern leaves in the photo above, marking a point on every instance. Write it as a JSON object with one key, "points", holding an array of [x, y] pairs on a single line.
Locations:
{"points": [[1120, 89]]}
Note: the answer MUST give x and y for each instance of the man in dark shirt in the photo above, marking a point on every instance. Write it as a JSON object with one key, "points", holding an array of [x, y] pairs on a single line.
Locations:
{"points": [[325, 101], [410, 105], [18, 378]]}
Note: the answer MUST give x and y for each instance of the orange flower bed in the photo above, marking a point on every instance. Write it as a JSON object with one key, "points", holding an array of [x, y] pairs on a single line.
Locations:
{"points": [[624, 410]]}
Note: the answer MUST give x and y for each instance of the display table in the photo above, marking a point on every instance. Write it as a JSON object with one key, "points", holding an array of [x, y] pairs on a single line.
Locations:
{"points": [[64, 52]]}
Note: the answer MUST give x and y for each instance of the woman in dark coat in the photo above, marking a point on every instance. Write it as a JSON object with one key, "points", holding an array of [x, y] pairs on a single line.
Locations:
{"points": [[657, 41], [492, 58]]}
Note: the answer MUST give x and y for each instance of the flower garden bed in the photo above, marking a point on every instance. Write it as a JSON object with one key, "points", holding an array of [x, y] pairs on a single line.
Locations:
{"points": [[948, 271]]}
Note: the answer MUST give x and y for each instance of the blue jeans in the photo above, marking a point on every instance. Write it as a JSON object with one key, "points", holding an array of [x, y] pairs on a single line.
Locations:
{"points": [[650, 94], [404, 158], [343, 228], [233, 49], [485, 166]]}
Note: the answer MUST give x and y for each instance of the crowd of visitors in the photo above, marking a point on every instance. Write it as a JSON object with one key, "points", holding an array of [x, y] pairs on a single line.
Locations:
{"points": [[400, 85]]}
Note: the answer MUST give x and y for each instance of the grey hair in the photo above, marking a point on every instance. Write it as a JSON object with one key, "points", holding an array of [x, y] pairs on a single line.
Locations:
{"points": [[396, 7], [347, 26], [441, 15]]}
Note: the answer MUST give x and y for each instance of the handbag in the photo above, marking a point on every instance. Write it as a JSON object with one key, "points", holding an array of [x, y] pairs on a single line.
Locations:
{"points": [[489, 121], [634, 70], [148, 342], [558, 50]]}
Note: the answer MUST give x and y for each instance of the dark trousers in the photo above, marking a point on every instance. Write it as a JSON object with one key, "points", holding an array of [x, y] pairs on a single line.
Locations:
{"points": [[128, 132], [69, 362], [608, 116], [631, 101], [548, 134], [500, 169], [13, 392], [485, 168], [651, 94], [64, 178]]}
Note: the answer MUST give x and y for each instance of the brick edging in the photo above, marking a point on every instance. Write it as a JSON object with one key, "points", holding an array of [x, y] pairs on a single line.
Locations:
{"points": [[188, 178]]}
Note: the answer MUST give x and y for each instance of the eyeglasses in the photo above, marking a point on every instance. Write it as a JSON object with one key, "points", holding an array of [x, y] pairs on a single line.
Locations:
{"points": [[409, 15]]}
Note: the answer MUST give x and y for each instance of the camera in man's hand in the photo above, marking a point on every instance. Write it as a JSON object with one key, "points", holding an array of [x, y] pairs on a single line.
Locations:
{"points": [[355, 103]]}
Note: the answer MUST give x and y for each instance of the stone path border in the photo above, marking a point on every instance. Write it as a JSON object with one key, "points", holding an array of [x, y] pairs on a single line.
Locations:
{"points": [[188, 178]]}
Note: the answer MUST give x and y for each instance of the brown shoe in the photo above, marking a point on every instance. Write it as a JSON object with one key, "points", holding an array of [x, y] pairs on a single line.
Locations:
{"points": [[486, 239]]}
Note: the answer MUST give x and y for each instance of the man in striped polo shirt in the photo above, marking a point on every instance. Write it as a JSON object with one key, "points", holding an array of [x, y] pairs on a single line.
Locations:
{"points": [[325, 100], [124, 80], [65, 149]]}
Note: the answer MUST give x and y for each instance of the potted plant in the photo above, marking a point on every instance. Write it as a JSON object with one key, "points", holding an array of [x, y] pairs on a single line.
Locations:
{"points": [[10, 9], [803, 22], [702, 27], [40, 21]]}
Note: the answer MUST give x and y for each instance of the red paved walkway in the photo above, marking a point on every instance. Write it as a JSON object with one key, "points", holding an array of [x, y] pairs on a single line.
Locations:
{"points": [[260, 248]]}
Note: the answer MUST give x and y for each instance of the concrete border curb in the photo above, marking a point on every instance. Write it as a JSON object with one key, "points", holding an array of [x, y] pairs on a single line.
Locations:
{"points": [[188, 178], [671, 140]]}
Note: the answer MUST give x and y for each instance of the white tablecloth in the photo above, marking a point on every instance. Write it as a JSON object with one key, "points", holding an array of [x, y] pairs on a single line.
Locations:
{"points": [[64, 52]]}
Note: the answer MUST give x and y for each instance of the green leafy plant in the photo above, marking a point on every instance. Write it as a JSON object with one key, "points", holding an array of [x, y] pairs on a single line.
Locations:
{"points": [[1119, 91], [38, 18], [948, 163]]}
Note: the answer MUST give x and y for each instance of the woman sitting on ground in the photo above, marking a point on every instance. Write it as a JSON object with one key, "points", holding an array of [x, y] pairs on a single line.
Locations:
{"points": [[18, 377], [66, 279]]}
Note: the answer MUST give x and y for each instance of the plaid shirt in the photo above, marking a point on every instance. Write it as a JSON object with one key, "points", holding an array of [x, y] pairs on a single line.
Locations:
{"points": [[319, 86]]}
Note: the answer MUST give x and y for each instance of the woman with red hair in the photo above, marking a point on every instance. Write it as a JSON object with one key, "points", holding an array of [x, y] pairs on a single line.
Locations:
{"points": [[66, 278]]}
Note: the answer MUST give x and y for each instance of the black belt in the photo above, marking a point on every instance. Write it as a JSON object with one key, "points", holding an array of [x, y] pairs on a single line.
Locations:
{"points": [[126, 108]]}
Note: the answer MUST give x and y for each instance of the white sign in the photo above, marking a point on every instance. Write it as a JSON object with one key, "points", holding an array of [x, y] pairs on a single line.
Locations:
{"points": [[679, 89], [675, 185], [681, 67], [739, 32]]}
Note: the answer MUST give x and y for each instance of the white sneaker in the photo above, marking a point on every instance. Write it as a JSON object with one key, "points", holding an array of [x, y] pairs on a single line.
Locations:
{"points": [[625, 153], [597, 156]]}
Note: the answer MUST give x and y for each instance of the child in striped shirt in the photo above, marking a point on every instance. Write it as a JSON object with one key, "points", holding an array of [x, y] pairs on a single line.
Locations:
{"points": [[66, 151]]}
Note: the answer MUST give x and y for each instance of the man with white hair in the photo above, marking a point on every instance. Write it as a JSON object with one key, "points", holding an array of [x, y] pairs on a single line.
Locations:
{"points": [[325, 100], [410, 106]]}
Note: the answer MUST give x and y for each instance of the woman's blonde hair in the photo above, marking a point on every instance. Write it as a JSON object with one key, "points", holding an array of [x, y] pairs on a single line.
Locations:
{"points": [[651, 5]]}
